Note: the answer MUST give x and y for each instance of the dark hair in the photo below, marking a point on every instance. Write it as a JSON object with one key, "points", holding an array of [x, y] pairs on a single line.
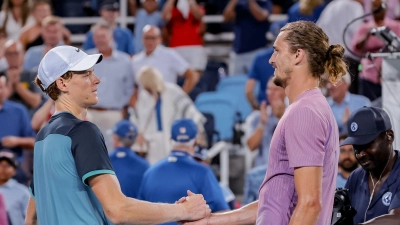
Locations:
{"points": [[52, 90], [321, 56]]}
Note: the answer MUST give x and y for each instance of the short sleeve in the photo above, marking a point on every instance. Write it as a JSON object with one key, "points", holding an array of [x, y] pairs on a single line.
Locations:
{"points": [[305, 138], [88, 44], [212, 193], [179, 64], [89, 151]]}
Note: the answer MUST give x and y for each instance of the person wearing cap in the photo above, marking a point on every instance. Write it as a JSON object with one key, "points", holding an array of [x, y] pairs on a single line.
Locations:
{"points": [[74, 181], [123, 39], [374, 188], [16, 195], [169, 179], [116, 73], [128, 166]]}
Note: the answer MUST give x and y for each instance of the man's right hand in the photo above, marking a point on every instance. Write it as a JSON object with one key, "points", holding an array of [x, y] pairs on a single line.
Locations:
{"points": [[195, 207]]}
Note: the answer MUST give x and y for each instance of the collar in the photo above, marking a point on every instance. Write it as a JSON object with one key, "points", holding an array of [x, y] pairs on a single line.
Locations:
{"points": [[179, 153], [308, 93], [6, 106], [10, 183], [156, 51]]}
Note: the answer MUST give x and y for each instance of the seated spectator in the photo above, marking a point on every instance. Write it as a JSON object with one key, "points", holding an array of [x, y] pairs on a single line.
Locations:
{"points": [[347, 163], [123, 39], [185, 31], [31, 35], [146, 15], [254, 179], [128, 166], [260, 72], [250, 28], [14, 15], [52, 33], [15, 131], [167, 61], [374, 187], [343, 103], [261, 126], [363, 42], [309, 10], [170, 179], [16, 196], [159, 104], [116, 73], [21, 88]]}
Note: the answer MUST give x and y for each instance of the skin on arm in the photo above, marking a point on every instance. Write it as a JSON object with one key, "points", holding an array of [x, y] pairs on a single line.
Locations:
{"points": [[191, 80], [132, 7], [167, 10], [14, 141], [121, 209], [33, 99], [258, 13], [31, 218], [255, 139], [196, 10], [40, 116], [229, 11], [392, 218], [251, 83], [308, 183]]}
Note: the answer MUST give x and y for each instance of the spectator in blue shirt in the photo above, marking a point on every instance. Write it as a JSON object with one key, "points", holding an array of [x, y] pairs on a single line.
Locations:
{"points": [[168, 180], [343, 103], [128, 166], [123, 38], [250, 27], [347, 163], [16, 196], [260, 72], [374, 189], [308, 10], [252, 184]]}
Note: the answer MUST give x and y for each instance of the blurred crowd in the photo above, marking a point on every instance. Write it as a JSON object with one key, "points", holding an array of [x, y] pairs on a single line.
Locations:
{"points": [[156, 72]]}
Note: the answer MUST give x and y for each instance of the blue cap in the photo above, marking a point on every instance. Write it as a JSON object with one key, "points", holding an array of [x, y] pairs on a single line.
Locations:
{"points": [[125, 129], [183, 130], [365, 124]]}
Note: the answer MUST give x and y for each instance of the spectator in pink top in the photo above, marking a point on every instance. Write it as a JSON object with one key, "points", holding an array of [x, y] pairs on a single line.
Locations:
{"points": [[300, 183], [3, 212], [364, 42]]}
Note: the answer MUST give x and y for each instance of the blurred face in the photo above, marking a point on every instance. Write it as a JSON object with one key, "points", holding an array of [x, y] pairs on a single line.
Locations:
{"points": [[102, 39], [347, 160], [6, 171], [14, 56], [17, 2], [82, 88], [274, 93], [3, 90], [109, 15], [151, 39], [41, 11], [150, 6], [281, 61], [339, 91], [52, 34]]}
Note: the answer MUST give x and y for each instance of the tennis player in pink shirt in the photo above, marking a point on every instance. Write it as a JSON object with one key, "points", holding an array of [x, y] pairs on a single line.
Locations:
{"points": [[300, 183]]}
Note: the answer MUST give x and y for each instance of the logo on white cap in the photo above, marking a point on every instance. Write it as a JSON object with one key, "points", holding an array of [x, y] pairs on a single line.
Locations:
{"points": [[354, 126]]}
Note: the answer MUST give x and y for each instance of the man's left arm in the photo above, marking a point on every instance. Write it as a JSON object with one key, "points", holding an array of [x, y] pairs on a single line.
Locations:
{"points": [[308, 183], [392, 218], [259, 13], [33, 99]]}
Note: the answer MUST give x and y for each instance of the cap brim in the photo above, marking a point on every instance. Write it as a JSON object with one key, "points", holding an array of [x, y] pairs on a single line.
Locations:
{"points": [[9, 161], [88, 62], [359, 140]]}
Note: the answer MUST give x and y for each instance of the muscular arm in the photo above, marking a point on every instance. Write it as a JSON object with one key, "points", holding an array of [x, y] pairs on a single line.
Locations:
{"points": [[191, 80], [308, 183], [392, 218], [259, 13]]}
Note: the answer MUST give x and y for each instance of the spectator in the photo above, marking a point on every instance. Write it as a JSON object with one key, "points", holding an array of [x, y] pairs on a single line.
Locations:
{"points": [[42, 115], [128, 166], [363, 42], [344, 103], [3, 211], [167, 61], [117, 84], [281, 6], [260, 72], [15, 130], [392, 7], [3, 61], [31, 35], [22, 90], [334, 18], [14, 15], [185, 31], [123, 39], [347, 163], [308, 10], [16, 196], [252, 184], [52, 32], [250, 28], [170, 178], [146, 15], [159, 105], [261, 126]]}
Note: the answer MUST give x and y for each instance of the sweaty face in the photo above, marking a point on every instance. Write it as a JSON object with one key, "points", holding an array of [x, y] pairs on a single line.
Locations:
{"points": [[281, 61], [347, 160], [83, 88]]}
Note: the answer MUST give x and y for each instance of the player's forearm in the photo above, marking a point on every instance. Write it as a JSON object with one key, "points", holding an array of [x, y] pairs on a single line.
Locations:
{"points": [[244, 216], [306, 214]]}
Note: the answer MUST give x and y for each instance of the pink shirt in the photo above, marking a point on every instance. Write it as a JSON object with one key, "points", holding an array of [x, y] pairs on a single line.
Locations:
{"points": [[370, 71], [3, 212], [307, 135]]}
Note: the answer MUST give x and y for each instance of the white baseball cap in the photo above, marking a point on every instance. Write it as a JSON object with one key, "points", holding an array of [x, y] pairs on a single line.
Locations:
{"points": [[62, 59]]}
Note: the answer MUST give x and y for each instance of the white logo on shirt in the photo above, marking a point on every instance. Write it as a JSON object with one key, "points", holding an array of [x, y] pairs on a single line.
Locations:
{"points": [[387, 198], [354, 126]]}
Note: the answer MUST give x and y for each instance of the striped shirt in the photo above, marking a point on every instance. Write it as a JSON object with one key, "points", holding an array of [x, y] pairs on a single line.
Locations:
{"points": [[307, 135]]}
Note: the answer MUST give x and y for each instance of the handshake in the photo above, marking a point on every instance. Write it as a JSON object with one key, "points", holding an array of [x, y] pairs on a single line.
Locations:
{"points": [[195, 208]]}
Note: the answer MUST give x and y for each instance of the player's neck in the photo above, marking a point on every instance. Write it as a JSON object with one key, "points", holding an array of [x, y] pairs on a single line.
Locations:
{"points": [[62, 106], [298, 85]]}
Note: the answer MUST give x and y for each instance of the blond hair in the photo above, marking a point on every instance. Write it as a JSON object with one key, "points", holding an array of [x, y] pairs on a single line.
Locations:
{"points": [[51, 20], [307, 6], [152, 79]]}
